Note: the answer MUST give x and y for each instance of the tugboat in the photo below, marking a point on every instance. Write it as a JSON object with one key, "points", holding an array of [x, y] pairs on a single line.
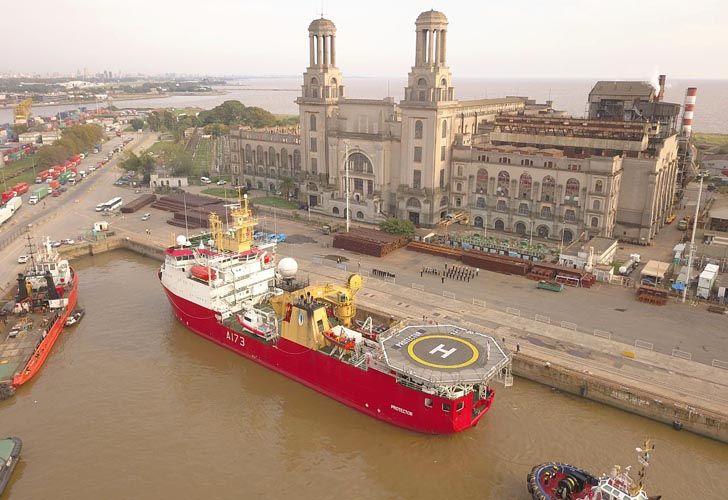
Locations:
{"points": [[32, 321], [557, 481], [226, 287]]}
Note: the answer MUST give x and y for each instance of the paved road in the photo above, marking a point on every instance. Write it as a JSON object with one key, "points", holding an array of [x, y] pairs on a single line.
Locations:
{"points": [[58, 217]]}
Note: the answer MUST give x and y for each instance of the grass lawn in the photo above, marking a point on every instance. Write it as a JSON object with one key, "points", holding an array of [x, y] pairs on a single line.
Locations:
{"points": [[274, 201], [711, 143], [202, 158], [17, 166], [221, 192]]}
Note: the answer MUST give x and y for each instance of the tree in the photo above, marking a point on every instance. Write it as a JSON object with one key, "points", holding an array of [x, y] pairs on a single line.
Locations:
{"points": [[136, 123], [216, 129], [287, 185], [397, 226]]}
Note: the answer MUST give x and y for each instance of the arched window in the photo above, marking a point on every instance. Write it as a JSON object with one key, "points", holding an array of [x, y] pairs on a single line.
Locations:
{"points": [[478, 221], [422, 82], [523, 209], [312, 187], [444, 129], [594, 222], [443, 83], [569, 215], [520, 228], [296, 160], [572, 187], [248, 153], [543, 231], [480, 202], [524, 186], [360, 215], [284, 158], [418, 129], [598, 186], [503, 180], [481, 181], [271, 172], [499, 225], [443, 201], [335, 210], [272, 187], [334, 87], [548, 189], [596, 205], [545, 212], [312, 123], [567, 236], [358, 162], [259, 154], [501, 206], [260, 185], [459, 187], [458, 201], [413, 203], [271, 156]]}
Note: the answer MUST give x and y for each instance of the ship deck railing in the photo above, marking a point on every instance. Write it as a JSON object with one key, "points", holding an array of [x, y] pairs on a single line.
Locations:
{"points": [[494, 363]]}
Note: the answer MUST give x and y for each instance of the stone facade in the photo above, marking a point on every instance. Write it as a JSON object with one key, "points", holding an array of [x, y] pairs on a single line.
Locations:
{"points": [[543, 173], [398, 156]]}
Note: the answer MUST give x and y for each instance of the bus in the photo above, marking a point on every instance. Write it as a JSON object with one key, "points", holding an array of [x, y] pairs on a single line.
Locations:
{"points": [[110, 205]]}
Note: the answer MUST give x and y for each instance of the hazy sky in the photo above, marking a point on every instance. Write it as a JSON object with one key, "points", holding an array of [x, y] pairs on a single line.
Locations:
{"points": [[486, 38]]}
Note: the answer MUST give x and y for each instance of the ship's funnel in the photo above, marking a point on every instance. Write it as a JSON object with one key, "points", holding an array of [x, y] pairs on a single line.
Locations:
{"points": [[52, 293], [22, 289]]}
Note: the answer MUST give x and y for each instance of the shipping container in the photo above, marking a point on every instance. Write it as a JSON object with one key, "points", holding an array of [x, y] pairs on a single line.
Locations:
{"points": [[21, 188]]}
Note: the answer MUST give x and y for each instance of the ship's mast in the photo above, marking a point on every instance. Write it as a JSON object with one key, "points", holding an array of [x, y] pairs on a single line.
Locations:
{"points": [[643, 457]]}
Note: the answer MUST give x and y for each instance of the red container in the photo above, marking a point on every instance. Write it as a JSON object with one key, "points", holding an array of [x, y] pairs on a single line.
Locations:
{"points": [[21, 188], [54, 184], [8, 195]]}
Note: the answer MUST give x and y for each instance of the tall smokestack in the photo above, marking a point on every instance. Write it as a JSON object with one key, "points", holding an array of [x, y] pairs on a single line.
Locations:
{"points": [[661, 93], [687, 122]]}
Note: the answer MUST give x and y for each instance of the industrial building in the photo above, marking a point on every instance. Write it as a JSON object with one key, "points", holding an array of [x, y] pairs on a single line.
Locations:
{"points": [[515, 165]]}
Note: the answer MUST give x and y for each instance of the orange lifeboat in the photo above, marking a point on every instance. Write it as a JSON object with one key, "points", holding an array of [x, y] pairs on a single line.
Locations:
{"points": [[203, 273], [339, 340]]}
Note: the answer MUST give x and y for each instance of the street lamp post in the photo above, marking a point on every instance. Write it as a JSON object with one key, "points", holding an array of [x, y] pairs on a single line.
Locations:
{"points": [[692, 241], [346, 180], [530, 239]]}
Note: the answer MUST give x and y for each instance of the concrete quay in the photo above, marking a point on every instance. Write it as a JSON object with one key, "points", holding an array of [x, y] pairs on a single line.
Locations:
{"points": [[675, 391]]}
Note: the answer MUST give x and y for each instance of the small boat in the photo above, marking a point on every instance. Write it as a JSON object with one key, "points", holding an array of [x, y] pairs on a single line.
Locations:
{"points": [[557, 481], [75, 317], [9, 457], [342, 337]]}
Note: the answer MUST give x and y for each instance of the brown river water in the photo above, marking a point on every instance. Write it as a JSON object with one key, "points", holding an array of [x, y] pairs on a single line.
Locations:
{"points": [[131, 405]]}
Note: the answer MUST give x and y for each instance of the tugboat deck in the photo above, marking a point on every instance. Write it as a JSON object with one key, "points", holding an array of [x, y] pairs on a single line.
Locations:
{"points": [[443, 354], [19, 337]]}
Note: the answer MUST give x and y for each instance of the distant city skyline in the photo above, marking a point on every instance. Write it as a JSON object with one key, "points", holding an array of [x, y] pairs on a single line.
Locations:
{"points": [[566, 39]]}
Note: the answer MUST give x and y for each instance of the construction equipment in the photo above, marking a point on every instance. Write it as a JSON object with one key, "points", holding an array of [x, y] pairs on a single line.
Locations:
{"points": [[21, 112]]}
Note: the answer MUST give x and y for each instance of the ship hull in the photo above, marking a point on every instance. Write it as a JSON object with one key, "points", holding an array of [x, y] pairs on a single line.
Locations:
{"points": [[371, 392], [41, 353]]}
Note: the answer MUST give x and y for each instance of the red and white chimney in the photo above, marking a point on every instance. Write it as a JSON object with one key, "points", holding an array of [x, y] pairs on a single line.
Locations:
{"points": [[687, 122]]}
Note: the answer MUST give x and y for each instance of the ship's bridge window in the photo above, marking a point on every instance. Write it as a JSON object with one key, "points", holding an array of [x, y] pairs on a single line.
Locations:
{"points": [[428, 402], [460, 406], [446, 407]]}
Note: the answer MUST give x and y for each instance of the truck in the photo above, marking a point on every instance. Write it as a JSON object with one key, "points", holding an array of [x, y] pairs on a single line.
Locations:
{"points": [[626, 268], [9, 209], [38, 194], [7, 195], [64, 177], [54, 184]]}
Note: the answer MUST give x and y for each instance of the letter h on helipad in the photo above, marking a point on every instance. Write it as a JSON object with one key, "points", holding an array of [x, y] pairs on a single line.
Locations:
{"points": [[445, 352]]}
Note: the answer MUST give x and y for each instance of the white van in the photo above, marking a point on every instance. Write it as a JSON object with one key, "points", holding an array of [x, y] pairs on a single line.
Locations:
{"points": [[205, 180]]}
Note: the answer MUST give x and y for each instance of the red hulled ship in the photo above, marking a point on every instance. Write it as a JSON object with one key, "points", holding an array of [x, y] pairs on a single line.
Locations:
{"points": [[34, 319], [428, 378]]}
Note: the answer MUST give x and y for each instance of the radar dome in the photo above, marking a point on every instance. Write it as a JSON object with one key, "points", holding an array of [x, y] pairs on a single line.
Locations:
{"points": [[288, 267], [181, 240]]}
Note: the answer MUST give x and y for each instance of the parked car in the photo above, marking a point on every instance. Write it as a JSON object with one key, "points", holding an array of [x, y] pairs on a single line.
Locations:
{"points": [[205, 180], [56, 243], [68, 241], [146, 216], [22, 259], [221, 182]]}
